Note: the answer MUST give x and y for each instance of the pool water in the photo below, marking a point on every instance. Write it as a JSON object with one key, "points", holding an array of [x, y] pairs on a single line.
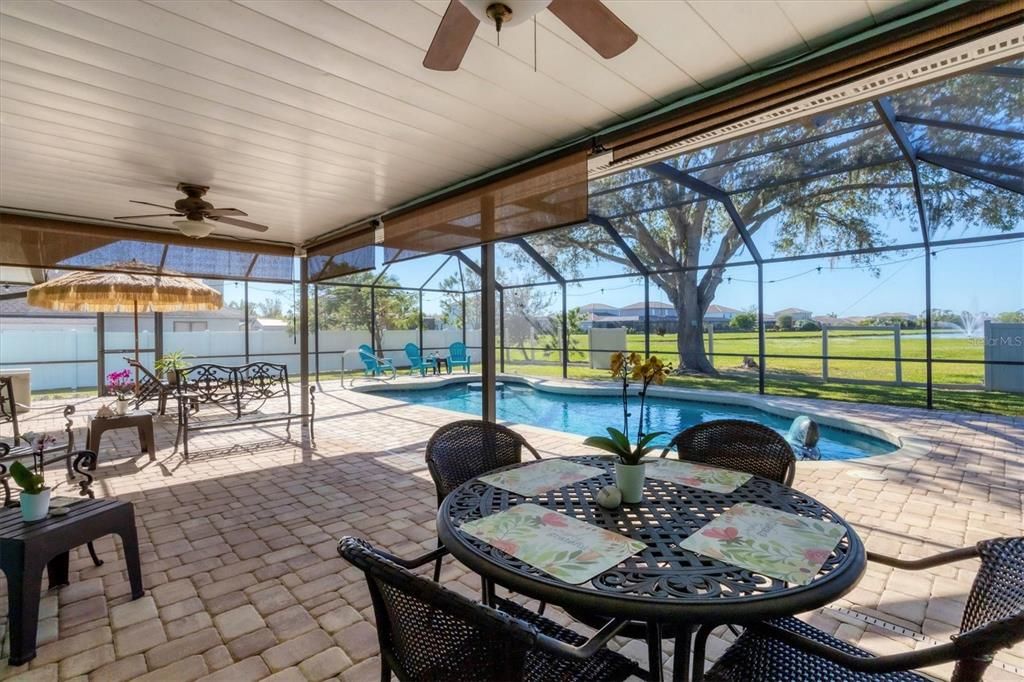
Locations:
{"points": [[589, 415]]}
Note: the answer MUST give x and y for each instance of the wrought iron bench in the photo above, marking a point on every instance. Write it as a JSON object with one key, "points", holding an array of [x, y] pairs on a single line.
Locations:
{"points": [[238, 394]]}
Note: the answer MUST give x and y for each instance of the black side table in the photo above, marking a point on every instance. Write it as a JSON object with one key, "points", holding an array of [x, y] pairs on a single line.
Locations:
{"points": [[437, 366], [25, 548]]}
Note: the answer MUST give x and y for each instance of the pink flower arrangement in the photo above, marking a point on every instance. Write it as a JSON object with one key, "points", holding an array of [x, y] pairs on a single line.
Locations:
{"points": [[505, 546], [553, 519], [817, 556], [727, 534], [120, 384]]}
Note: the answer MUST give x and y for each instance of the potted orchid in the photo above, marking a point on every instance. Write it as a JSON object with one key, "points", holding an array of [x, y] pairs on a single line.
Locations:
{"points": [[35, 496], [121, 386], [629, 467]]}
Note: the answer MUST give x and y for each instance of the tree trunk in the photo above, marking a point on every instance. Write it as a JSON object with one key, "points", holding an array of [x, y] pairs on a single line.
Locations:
{"points": [[690, 311]]}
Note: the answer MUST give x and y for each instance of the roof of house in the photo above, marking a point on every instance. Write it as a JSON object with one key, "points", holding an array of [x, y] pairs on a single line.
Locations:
{"points": [[791, 311], [592, 307], [654, 304], [715, 308]]}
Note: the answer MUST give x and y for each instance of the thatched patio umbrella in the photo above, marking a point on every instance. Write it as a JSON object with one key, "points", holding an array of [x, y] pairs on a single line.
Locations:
{"points": [[125, 287]]}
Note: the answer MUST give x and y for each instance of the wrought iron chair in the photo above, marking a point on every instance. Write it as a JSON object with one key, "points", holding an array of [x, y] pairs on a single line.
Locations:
{"points": [[465, 449], [8, 407], [427, 632], [737, 444], [789, 649], [150, 387]]}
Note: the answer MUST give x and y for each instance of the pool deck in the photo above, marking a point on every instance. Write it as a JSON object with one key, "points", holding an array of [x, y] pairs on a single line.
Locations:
{"points": [[243, 579]]}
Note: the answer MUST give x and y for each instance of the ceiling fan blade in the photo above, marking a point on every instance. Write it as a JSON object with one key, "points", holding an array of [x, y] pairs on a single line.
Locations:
{"points": [[596, 25], [225, 211], [154, 215], [239, 223], [147, 203], [452, 38]]}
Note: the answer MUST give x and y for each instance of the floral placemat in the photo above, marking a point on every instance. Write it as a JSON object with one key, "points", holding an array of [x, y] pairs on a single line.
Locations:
{"points": [[561, 546], [534, 479], [768, 541], [715, 479]]}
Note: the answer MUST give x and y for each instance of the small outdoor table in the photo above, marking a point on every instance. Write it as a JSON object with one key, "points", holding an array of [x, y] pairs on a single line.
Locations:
{"points": [[437, 366], [140, 419], [662, 585], [26, 548]]}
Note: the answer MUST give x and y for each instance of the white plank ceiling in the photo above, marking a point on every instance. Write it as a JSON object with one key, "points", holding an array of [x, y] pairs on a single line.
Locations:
{"points": [[309, 115]]}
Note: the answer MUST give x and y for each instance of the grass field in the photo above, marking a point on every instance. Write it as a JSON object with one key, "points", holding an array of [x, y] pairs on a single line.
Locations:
{"points": [[957, 385]]}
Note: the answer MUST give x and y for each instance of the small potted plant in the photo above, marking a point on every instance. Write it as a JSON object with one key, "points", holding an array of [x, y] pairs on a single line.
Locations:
{"points": [[629, 467], [35, 496], [121, 386], [166, 365]]}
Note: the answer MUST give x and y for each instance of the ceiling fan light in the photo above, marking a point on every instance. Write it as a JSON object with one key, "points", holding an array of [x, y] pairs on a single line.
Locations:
{"points": [[522, 10], [197, 229]]}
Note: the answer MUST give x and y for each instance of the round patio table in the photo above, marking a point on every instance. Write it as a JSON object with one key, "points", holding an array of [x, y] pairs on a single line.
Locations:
{"points": [[662, 584]]}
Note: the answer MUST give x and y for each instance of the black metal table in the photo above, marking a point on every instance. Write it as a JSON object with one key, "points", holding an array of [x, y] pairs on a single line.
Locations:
{"points": [[663, 584], [26, 548]]}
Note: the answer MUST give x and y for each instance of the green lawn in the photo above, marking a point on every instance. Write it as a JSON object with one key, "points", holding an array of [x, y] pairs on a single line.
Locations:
{"points": [[800, 377]]}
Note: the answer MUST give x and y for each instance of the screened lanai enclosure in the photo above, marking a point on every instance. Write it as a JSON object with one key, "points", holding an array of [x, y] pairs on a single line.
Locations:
{"points": [[875, 252], [871, 253]]}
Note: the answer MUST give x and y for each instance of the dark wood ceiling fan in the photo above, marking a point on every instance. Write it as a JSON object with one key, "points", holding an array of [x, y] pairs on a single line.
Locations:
{"points": [[196, 210], [589, 19]]}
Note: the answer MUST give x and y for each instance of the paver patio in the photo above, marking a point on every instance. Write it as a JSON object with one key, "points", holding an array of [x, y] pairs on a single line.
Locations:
{"points": [[244, 582]]}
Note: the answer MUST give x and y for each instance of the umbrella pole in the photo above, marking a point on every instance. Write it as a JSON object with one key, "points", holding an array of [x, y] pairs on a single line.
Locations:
{"points": [[136, 304]]}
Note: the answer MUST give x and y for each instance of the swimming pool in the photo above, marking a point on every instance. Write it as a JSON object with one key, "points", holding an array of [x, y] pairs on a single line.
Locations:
{"points": [[588, 415]]}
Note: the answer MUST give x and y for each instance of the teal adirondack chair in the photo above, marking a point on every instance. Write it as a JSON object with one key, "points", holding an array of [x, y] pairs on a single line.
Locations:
{"points": [[412, 351], [458, 356], [374, 366]]}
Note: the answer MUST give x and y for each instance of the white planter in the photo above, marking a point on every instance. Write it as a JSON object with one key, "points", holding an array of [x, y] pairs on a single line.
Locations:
{"points": [[121, 407], [630, 480], [35, 507]]}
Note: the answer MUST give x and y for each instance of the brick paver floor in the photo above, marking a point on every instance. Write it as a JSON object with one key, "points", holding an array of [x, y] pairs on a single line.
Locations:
{"points": [[244, 582]]}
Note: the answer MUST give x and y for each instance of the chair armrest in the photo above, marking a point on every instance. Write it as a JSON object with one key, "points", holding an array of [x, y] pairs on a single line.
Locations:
{"points": [[927, 562], [588, 648], [415, 562], [943, 653]]}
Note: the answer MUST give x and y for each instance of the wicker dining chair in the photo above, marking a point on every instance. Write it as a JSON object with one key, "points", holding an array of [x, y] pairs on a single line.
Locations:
{"points": [[737, 444], [789, 649], [462, 450], [427, 632]]}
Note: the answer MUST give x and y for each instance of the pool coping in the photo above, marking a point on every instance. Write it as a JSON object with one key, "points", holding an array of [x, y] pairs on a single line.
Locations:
{"points": [[829, 413]]}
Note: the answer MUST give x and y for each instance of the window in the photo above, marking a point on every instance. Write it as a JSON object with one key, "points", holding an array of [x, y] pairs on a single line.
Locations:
{"points": [[190, 325]]}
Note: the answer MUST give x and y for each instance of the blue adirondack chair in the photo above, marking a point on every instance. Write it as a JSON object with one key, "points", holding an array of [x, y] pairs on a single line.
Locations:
{"points": [[416, 362], [374, 366], [457, 355]]}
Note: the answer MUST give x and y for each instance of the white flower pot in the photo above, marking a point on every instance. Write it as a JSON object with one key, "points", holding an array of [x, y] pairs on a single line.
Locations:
{"points": [[121, 407], [630, 480], [35, 507]]}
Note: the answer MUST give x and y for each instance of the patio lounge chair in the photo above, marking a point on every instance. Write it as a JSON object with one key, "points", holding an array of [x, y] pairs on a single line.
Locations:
{"points": [[150, 386], [8, 407], [465, 449], [737, 444], [789, 649], [375, 366], [416, 362], [457, 355], [427, 632]]}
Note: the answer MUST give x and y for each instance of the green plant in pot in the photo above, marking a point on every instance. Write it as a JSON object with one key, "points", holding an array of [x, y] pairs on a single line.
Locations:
{"points": [[35, 496], [629, 467], [169, 362]]}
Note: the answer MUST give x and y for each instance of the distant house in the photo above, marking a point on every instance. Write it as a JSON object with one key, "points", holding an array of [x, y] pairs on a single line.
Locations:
{"points": [[601, 309], [268, 324], [798, 314], [659, 310], [720, 314]]}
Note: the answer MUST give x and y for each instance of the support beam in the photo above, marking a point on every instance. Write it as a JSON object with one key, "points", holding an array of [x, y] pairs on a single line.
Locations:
{"points": [[885, 110], [316, 332], [956, 165], [101, 354], [565, 332], [711, 192], [539, 260], [477, 270], [963, 127], [304, 337], [488, 364], [614, 235], [245, 304]]}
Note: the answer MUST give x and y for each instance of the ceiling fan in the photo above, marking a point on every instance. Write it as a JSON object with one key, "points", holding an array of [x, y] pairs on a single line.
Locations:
{"points": [[589, 19], [196, 212]]}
